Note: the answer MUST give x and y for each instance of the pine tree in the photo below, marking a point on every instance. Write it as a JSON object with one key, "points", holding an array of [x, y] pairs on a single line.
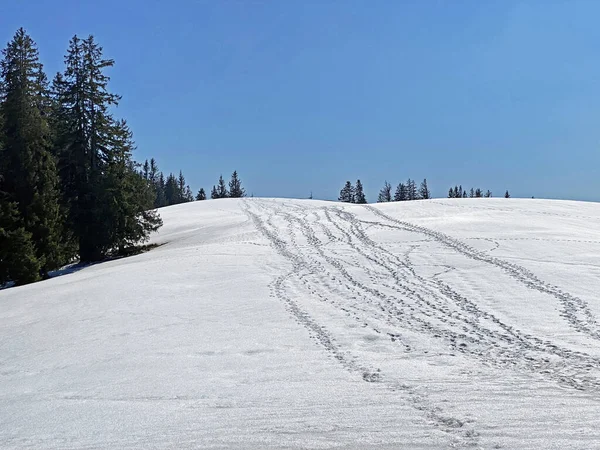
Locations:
{"points": [[488, 194], [478, 193], [94, 150], [30, 180], [359, 195], [222, 188], [385, 195], [506, 194], [401, 193], [460, 192], [471, 193], [172, 194], [161, 198], [424, 190], [347, 193], [213, 193], [464, 194], [235, 186], [146, 170], [451, 193], [201, 194]]}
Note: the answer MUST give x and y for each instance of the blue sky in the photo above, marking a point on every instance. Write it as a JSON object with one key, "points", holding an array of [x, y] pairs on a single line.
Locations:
{"points": [[300, 96]]}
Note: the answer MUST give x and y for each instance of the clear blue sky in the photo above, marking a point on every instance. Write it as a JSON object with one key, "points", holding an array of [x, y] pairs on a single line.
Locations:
{"points": [[303, 95]]}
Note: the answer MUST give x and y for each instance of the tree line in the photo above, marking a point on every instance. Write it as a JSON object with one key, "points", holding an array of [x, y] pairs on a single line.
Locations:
{"points": [[458, 192], [404, 192]]}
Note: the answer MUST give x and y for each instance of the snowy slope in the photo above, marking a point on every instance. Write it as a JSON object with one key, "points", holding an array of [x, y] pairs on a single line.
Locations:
{"points": [[268, 323]]}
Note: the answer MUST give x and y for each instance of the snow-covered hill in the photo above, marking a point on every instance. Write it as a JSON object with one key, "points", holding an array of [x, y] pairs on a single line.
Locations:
{"points": [[269, 323]]}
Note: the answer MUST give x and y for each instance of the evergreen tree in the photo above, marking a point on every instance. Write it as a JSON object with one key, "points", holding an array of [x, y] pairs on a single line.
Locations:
{"points": [[451, 193], [160, 198], [460, 192], [201, 194], [464, 194], [94, 150], [424, 190], [222, 188], [506, 194], [488, 194], [385, 194], [213, 193], [472, 193], [18, 260], [172, 194], [235, 186], [457, 192], [400, 194], [30, 180], [478, 193], [359, 195], [146, 170], [347, 193]]}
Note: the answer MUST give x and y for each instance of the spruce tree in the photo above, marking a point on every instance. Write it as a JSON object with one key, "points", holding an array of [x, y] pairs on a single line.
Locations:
{"points": [[457, 192], [222, 188], [172, 194], [359, 194], [213, 193], [411, 190], [506, 194], [29, 176], [451, 193], [472, 193], [385, 194], [235, 186], [201, 194], [93, 151], [488, 194], [347, 193], [160, 198], [400, 194], [424, 190], [478, 193]]}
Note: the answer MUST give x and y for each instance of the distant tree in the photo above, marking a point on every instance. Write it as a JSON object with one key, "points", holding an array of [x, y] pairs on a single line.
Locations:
{"points": [[424, 190], [385, 194], [478, 193], [235, 186], [146, 170], [451, 193], [347, 193], [488, 194], [401, 193], [213, 192], [161, 198], [506, 194], [472, 193], [411, 190], [222, 188], [457, 193], [460, 191], [464, 194], [201, 194], [311, 196], [359, 195]]}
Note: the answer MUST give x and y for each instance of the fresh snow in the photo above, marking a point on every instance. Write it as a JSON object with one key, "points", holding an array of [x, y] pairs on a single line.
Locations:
{"points": [[270, 323]]}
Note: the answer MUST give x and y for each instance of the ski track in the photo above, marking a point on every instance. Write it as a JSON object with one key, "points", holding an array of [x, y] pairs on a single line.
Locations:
{"points": [[398, 299]]}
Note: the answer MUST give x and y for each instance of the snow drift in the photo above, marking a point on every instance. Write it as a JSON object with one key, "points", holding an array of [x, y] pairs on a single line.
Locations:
{"points": [[269, 323]]}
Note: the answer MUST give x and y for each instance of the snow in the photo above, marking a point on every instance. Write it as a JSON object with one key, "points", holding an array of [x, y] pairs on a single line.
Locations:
{"points": [[270, 323]]}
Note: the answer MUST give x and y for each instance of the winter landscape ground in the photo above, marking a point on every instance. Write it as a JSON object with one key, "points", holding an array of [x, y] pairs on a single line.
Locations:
{"points": [[270, 323]]}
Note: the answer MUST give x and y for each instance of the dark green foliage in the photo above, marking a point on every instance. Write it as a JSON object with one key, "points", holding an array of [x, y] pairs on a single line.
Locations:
{"points": [[359, 194], [235, 186], [109, 202], [201, 194], [506, 194], [220, 191], [213, 193], [478, 193], [400, 194], [488, 194], [29, 177], [385, 194], [451, 193], [472, 193], [347, 193], [411, 190], [424, 190], [18, 260]]}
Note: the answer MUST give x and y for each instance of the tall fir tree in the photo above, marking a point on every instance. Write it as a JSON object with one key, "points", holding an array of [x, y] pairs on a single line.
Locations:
{"points": [[201, 194], [478, 193], [235, 186], [411, 190], [471, 193], [451, 193], [359, 194], [385, 194], [160, 199], [424, 190], [92, 147], [506, 194], [488, 194], [29, 177], [347, 193], [213, 193]]}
